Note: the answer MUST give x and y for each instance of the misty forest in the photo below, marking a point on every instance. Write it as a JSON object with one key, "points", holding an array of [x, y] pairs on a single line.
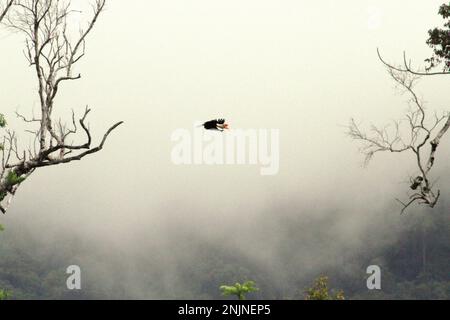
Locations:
{"points": [[92, 91]]}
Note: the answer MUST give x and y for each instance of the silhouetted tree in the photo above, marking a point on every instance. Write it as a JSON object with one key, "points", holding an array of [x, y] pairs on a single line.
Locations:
{"points": [[439, 41]]}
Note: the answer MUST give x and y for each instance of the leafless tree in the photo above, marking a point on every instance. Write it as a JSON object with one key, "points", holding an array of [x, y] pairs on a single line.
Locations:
{"points": [[53, 52], [418, 134], [408, 68], [4, 8]]}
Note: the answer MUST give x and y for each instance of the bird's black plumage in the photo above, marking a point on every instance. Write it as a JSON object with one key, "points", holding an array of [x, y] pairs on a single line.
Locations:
{"points": [[214, 124]]}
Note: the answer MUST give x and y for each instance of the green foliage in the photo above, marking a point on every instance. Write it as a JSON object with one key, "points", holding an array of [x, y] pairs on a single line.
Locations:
{"points": [[239, 290], [4, 294], [28, 270], [320, 291], [439, 41], [3, 195], [12, 178], [3, 122]]}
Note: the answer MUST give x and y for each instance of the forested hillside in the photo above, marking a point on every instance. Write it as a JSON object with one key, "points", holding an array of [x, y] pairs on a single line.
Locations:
{"points": [[415, 266]]}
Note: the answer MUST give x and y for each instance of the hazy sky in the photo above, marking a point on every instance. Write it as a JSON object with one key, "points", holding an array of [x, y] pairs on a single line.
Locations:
{"points": [[302, 67]]}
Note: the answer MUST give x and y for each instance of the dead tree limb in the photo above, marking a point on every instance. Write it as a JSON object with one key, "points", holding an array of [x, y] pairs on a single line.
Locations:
{"points": [[418, 133], [4, 8], [407, 67], [53, 51]]}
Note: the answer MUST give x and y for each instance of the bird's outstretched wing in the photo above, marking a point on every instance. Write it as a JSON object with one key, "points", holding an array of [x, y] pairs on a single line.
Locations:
{"points": [[210, 125]]}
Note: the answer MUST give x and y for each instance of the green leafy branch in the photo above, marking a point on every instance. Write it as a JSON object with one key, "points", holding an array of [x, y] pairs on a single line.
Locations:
{"points": [[320, 291], [239, 290], [4, 294]]}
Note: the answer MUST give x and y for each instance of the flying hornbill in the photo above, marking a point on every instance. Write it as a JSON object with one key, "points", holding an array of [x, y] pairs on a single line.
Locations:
{"points": [[218, 124]]}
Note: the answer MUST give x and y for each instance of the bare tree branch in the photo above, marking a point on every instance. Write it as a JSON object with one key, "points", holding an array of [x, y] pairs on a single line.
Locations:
{"points": [[4, 8], [418, 133], [408, 68], [53, 51]]}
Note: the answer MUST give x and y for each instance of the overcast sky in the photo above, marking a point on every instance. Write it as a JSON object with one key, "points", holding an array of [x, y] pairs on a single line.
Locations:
{"points": [[302, 67]]}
